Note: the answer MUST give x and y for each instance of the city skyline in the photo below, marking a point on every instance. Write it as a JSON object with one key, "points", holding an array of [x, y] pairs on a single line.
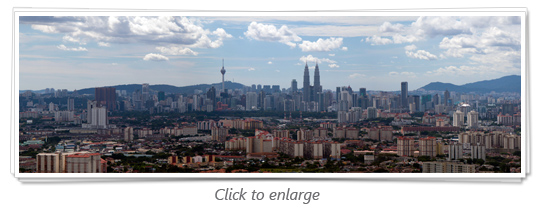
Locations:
{"points": [[372, 52]]}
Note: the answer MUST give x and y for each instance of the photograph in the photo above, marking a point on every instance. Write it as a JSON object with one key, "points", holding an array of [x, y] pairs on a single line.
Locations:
{"points": [[358, 94]]}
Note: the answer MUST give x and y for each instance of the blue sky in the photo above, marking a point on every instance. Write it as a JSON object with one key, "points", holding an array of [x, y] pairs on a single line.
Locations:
{"points": [[377, 53]]}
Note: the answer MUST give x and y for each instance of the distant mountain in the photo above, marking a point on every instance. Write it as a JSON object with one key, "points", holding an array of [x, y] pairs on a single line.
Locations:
{"points": [[167, 88], [510, 83]]}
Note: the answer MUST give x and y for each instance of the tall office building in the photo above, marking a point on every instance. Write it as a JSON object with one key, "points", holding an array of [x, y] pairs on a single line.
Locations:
{"points": [[446, 98], [106, 96], [223, 76], [436, 99], [211, 94], [251, 101], [294, 86], [306, 91], [145, 95], [363, 92], [404, 95], [317, 81]]}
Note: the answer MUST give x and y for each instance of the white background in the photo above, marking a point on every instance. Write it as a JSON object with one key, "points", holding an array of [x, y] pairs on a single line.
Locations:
{"points": [[199, 194]]}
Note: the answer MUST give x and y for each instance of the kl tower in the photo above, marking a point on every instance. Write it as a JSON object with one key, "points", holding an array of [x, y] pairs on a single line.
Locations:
{"points": [[223, 75]]}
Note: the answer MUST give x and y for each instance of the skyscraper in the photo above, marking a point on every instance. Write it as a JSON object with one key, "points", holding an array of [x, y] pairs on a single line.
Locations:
{"points": [[317, 80], [211, 95], [404, 95], [306, 91], [294, 86], [223, 75], [363, 92], [71, 104], [106, 96], [145, 92], [446, 97]]}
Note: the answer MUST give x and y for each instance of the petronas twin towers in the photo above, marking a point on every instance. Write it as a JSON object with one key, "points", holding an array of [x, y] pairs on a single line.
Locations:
{"points": [[310, 92]]}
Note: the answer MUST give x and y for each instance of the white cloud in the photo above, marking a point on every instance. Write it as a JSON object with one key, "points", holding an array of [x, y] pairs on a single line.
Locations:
{"points": [[321, 45], [356, 75], [310, 58], [129, 29], [155, 57], [104, 44], [332, 55], [333, 65], [389, 27], [71, 39], [221, 33], [45, 28], [269, 33], [251, 69], [377, 40], [461, 70], [421, 54], [176, 50], [411, 47], [344, 48], [327, 60], [398, 38], [404, 74], [63, 47], [269, 62], [278, 71]]}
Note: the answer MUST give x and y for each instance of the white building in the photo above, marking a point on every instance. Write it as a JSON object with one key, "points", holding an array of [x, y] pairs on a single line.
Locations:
{"points": [[459, 119]]}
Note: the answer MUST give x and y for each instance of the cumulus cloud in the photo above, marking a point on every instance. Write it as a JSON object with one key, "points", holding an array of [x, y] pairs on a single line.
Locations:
{"points": [[321, 45], [72, 39], [377, 40], [269, 33], [251, 69], [421, 54], [128, 29], [333, 65], [389, 27], [104, 44], [176, 50], [410, 47], [344, 48], [269, 62], [311, 58], [63, 47], [155, 57]]}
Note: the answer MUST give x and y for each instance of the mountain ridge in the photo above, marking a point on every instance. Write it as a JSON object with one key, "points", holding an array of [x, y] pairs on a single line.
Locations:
{"points": [[511, 83]]}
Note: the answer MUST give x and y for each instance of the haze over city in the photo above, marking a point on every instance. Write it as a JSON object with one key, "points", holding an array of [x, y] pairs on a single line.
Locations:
{"points": [[372, 52]]}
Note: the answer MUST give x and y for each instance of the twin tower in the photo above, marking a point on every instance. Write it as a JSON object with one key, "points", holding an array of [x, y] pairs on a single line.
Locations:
{"points": [[310, 92]]}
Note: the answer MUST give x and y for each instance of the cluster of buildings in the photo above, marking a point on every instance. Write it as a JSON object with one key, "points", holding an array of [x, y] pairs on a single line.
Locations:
{"points": [[470, 117], [266, 143]]}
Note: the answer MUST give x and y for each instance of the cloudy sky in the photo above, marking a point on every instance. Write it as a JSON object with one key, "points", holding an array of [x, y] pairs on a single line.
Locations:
{"points": [[372, 52]]}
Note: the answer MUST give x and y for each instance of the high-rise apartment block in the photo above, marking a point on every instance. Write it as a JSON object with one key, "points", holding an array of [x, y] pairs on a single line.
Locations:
{"points": [[106, 97]]}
